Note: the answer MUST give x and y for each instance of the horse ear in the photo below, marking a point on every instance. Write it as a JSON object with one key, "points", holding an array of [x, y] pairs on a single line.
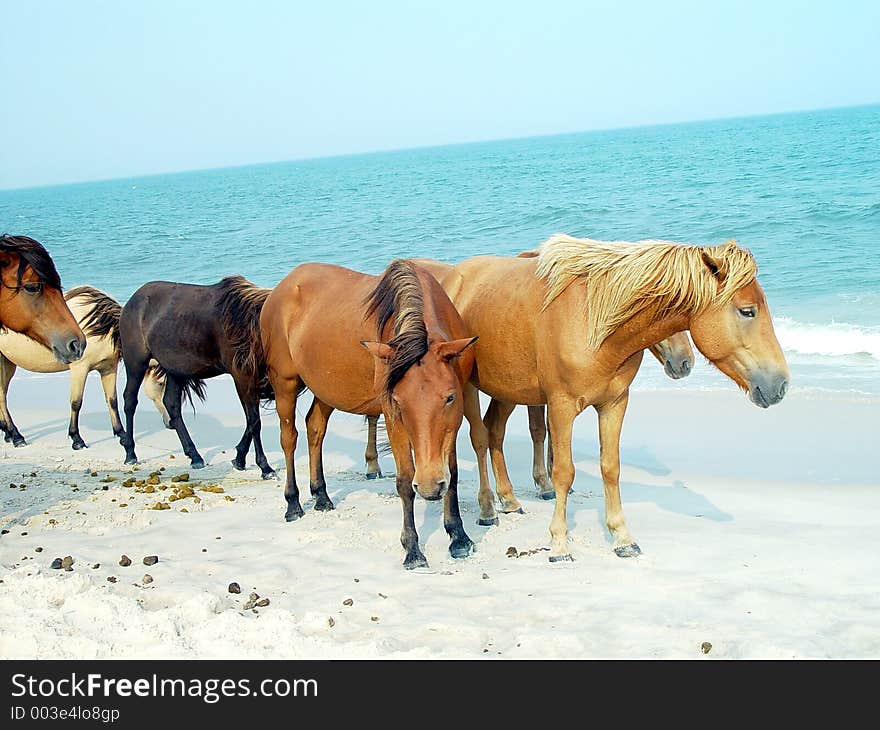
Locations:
{"points": [[714, 263], [453, 349], [379, 350]]}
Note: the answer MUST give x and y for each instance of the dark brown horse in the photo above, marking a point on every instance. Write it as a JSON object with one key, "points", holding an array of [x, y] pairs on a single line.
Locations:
{"points": [[31, 301], [391, 344], [194, 333]]}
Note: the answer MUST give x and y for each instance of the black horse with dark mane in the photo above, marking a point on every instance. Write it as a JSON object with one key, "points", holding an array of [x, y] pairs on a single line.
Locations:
{"points": [[196, 332]]}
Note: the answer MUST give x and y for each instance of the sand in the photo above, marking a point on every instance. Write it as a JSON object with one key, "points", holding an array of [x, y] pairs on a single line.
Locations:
{"points": [[757, 529]]}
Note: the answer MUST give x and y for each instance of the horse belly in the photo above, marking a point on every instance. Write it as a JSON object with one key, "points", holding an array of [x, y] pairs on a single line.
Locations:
{"points": [[28, 354]]}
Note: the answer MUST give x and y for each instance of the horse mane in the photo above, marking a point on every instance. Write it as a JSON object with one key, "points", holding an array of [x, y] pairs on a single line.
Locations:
{"points": [[398, 297], [623, 279], [102, 320], [31, 253], [240, 305]]}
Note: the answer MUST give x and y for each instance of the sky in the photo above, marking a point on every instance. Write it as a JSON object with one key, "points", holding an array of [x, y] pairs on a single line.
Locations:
{"points": [[104, 89]]}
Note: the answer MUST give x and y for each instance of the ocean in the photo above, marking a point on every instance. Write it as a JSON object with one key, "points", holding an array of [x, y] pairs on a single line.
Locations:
{"points": [[802, 191]]}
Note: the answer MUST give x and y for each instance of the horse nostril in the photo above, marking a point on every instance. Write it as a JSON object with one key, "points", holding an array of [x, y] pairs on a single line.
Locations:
{"points": [[783, 389], [441, 486], [685, 367], [76, 346]]}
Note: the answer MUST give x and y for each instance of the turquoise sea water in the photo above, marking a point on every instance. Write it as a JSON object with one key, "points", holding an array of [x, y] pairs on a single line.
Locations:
{"points": [[801, 190]]}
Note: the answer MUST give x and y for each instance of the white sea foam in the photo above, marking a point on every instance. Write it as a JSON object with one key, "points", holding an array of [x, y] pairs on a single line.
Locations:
{"points": [[837, 339]]}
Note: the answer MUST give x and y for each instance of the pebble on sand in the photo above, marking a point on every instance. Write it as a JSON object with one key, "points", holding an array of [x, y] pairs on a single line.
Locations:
{"points": [[262, 603], [66, 562], [234, 588], [512, 552], [38, 549], [348, 602], [151, 559], [56, 564], [147, 579], [111, 578], [330, 622], [125, 561], [705, 647]]}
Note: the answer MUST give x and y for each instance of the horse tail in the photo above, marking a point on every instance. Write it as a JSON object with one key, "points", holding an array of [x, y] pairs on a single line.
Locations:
{"points": [[102, 318], [192, 388], [240, 305]]}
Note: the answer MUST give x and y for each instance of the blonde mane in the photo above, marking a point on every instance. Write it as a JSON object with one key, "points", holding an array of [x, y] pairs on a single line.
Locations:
{"points": [[624, 279]]}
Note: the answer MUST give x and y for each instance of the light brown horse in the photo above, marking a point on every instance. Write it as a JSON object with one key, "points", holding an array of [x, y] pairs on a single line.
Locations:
{"points": [[390, 344], [31, 302], [568, 329]]}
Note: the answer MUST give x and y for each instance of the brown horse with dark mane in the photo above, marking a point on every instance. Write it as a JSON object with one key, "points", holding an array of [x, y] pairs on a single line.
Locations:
{"points": [[31, 301], [191, 333], [391, 344]]}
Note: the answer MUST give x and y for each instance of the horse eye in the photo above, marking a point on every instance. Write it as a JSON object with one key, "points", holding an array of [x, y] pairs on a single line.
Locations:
{"points": [[747, 312], [450, 399], [33, 288]]}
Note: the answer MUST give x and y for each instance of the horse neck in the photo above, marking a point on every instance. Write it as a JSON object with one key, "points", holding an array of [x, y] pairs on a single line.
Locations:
{"points": [[641, 332]]}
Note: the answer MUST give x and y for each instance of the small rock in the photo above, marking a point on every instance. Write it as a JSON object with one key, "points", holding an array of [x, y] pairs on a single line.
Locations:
{"points": [[184, 477], [234, 588], [262, 603], [4, 532], [111, 578], [38, 549], [204, 550], [705, 647], [56, 564], [95, 566], [66, 562], [512, 552], [93, 474], [330, 622], [382, 595], [374, 618], [151, 559], [147, 579], [348, 602], [485, 576], [125, 561], [357, 580]]}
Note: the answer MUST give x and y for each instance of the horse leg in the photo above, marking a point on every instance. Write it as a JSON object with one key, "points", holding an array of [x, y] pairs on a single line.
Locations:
{"points": [[172, 402], [461, 545], [243, 446], [11, 432], [134, 375], [78, 377], [610, 423], [371, 455], [403, 460], [561, 417], [108, 383], [538, 430], [495, 420], [316, 429], [285, 403], [252, 412], [480, 441]]}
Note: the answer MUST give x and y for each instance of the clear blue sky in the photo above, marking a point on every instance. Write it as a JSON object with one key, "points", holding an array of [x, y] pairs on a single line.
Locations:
{"points": [[107, 89]]}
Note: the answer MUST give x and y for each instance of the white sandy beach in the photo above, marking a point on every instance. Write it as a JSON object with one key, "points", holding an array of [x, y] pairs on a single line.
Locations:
{"points": [[758, 532]]}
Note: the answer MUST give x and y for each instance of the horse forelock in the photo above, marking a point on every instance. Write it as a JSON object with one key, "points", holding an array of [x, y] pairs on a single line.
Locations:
{"points": [[31, 253], [623, 279], [398, 297]]}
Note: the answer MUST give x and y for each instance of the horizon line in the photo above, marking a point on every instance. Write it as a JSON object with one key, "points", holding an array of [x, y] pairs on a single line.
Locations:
{"points": [[463, 143]]}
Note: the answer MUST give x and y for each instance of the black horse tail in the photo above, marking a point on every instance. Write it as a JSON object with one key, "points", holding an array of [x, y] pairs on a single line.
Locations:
{"points": [[191, 388], [102, 319], [240, 305]]}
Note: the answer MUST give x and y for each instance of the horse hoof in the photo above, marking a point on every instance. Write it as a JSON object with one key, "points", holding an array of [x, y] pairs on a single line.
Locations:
{"points": [[628, 551], [77, 445], [18, 443], [270, 474], [416, 561], [7, 438], [129, 460], [562, 558], [293, 516], [237, 465], [197, 464], [487, 523], [517, 511], [324, 506], [374, 474], [547, 496], [462, 550]]}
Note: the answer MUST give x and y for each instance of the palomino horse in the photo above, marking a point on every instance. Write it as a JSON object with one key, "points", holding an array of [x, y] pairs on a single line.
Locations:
{"points": [[677, 358], [390, 344], [191, 333], [568, 329], [98, 317], [31, 302]]}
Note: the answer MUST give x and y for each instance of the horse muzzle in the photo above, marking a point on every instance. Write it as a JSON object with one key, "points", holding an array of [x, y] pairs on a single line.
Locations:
{"points": [[767, 390], [678, 370], [434, 490], [68, 351]]}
